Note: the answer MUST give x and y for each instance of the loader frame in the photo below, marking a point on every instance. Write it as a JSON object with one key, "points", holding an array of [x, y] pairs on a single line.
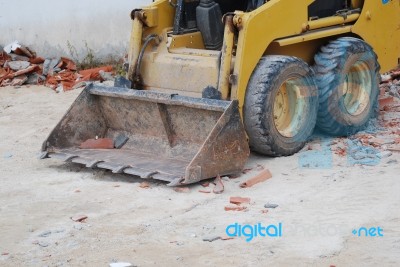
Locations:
{"points": [[293, 34]]}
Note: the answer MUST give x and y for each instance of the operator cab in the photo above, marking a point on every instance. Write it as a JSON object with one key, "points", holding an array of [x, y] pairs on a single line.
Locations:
{"points": [[206, 15]]}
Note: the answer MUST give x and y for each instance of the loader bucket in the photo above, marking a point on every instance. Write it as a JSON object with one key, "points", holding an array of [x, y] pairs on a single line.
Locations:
{"points": [[172, 138]]}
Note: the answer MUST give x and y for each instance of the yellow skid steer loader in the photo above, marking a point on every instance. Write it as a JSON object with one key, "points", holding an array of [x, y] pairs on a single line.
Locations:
{"points": [[209, 80]]}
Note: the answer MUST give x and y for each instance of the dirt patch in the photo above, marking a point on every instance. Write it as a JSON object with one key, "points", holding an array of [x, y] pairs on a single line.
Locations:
{"points": [[319, 196]]}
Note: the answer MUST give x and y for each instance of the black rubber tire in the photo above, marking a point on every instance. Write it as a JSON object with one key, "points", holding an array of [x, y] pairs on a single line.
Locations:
{"points": [[258, 112], [333, 65]]}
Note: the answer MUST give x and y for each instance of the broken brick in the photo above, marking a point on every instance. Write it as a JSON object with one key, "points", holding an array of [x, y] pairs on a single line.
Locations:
{"points": [[94, 74], [68, 64], [4, 57], [261, 177], [239, 200], [18, 81], [101, 143], [385, 101], [66, 78], [205, 191], [20, 72], [36, 60], [182, 189], [235, 208], [24, 51], [144, 185]]}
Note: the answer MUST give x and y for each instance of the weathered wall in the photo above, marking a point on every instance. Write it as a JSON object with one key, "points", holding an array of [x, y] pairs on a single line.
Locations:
{"points": [[47, 25]]}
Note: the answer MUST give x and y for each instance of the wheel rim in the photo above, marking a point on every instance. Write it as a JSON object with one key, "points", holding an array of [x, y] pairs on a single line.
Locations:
{"points": [[289, 107], [356, 88]]}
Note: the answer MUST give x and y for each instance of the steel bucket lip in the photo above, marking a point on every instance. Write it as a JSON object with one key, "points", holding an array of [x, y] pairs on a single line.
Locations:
{"points": [[150, 95], [224, 142]]}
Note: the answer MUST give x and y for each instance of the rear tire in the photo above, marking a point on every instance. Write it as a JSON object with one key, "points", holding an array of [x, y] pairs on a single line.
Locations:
{"points": [[280, 107], [347, 75]]}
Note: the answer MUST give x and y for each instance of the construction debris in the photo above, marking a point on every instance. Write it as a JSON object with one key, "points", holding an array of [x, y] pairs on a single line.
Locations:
{"points": [[239, 200], [20, 65], [271, 206], [182, 189], [144, 185], [261, 177], [79, 218], [235, 208]]}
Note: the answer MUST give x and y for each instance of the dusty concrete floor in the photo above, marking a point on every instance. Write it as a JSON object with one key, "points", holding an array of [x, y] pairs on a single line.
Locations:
{"points": [[319, 206]]}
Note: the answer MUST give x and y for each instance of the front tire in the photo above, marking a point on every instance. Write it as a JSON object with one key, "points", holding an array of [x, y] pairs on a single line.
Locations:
{"points": [[347, 75], [280, 107]]}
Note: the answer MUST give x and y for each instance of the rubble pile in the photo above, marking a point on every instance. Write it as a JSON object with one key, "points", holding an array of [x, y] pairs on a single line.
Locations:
{"points": [[20, 65], [382, 136], [391, 83]]}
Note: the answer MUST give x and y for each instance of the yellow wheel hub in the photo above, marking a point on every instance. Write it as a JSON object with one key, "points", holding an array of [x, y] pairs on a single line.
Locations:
{"points": [[289, 106], [356, 89]]}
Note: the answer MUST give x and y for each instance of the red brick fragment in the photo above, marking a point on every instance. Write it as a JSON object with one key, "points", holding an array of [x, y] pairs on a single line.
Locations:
{"points": [[94, 74], [101, 143], [385, 101], [239, 200], [182, 189], [205, 191], [261, 177], [235, 208], [66, 78], [36, 60], [144, 185], [24, 71], [68, 64]]}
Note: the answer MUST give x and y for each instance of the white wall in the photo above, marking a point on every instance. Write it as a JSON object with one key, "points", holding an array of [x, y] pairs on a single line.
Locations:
{"points": [[47, 25]]}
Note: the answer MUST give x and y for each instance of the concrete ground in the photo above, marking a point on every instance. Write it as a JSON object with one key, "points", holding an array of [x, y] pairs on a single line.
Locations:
{"points": [[323, 195]]}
